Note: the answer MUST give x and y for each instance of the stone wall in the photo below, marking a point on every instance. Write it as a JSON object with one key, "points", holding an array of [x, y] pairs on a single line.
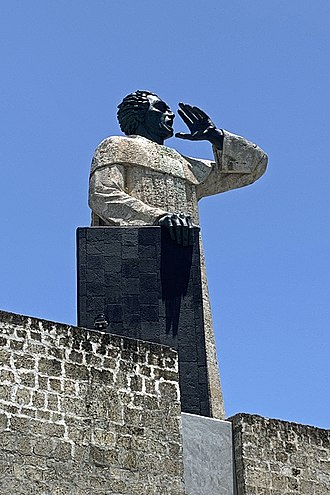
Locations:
{"points": [[84, 412], [276, 457]]}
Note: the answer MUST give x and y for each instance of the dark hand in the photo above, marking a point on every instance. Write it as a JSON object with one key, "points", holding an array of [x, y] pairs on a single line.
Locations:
{"points": [[200, 125], [180, 227]]}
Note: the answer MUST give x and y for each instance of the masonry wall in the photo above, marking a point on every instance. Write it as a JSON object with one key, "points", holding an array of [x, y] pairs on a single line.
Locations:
{"points": [[276, 457], [86, 412]]}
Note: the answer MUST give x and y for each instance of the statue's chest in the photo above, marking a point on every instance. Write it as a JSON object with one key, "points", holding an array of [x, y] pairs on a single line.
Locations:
{"points": [[168, 162], [159, 180], [156, 159], [161, 188]]}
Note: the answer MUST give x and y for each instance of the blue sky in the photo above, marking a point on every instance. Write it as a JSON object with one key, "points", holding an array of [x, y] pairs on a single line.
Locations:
{"points": [[260, 69]]}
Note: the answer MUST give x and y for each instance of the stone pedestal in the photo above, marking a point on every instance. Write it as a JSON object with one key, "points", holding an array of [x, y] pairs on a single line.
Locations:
{"points": [[149, 288]]}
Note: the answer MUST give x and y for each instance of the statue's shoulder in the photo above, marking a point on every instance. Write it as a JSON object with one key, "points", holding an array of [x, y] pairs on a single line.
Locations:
{"points": [[113, 144], [125, 144], [138, 151], [118, 150]]}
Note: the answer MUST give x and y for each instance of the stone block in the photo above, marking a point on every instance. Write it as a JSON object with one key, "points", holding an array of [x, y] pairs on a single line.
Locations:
{"points": [[207, 456]]}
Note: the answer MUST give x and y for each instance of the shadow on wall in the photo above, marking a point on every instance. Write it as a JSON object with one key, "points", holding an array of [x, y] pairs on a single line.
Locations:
{"points": [[175, 266]]}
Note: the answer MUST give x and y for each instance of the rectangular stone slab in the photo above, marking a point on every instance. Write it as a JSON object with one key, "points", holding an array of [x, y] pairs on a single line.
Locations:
{"points": [[207, 456], [149, 288]]}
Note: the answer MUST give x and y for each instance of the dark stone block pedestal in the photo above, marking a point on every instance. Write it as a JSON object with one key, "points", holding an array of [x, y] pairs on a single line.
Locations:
{"points": [[149, 288]]}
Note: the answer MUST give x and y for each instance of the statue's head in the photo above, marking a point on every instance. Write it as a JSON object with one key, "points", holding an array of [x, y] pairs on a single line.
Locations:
{"points": [[145, 114]]}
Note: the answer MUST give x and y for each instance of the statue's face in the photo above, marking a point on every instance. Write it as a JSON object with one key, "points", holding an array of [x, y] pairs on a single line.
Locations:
{"points": [[159, 118]]}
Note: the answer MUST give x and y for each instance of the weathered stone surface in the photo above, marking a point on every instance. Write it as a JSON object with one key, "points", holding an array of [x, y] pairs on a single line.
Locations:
{"points": [[98, 414], [163, 305], [217, 404], [134, 181], [274, 457], [207, 456]]}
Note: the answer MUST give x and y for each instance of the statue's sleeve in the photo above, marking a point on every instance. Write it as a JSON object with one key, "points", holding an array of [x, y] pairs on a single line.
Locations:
{"points": [[109, 201], [238, 164]]}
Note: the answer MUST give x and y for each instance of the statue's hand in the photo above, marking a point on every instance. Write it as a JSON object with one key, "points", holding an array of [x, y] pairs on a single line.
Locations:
{"points": [[200, 125], [180, 227]]}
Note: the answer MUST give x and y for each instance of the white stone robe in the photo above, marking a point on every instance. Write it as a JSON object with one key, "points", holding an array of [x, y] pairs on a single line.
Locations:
{"points": [[134, 181]]}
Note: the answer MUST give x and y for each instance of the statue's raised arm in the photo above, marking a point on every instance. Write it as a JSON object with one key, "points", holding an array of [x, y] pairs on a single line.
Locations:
{"points": [[238, 162]]}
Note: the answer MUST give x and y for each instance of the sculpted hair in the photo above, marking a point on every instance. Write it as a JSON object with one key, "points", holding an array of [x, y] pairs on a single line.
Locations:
{"points": [[132, 110]]}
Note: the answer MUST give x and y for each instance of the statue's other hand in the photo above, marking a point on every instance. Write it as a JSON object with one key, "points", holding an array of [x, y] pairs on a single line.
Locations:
{"points": [[180, 227], [200, 125]]}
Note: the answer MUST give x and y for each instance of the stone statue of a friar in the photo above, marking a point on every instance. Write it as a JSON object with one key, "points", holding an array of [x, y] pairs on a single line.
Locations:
{"points": [[136, 180]]}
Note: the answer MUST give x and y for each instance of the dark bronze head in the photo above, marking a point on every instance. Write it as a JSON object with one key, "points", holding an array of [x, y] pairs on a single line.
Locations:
{"points": [[143, 113]]}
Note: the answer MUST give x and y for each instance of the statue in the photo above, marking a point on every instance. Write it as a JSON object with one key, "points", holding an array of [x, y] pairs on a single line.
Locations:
{"points": [[136, 180]]}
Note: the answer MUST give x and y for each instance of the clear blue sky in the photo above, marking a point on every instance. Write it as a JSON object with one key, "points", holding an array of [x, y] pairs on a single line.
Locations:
{"points": [[260, 69]]}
